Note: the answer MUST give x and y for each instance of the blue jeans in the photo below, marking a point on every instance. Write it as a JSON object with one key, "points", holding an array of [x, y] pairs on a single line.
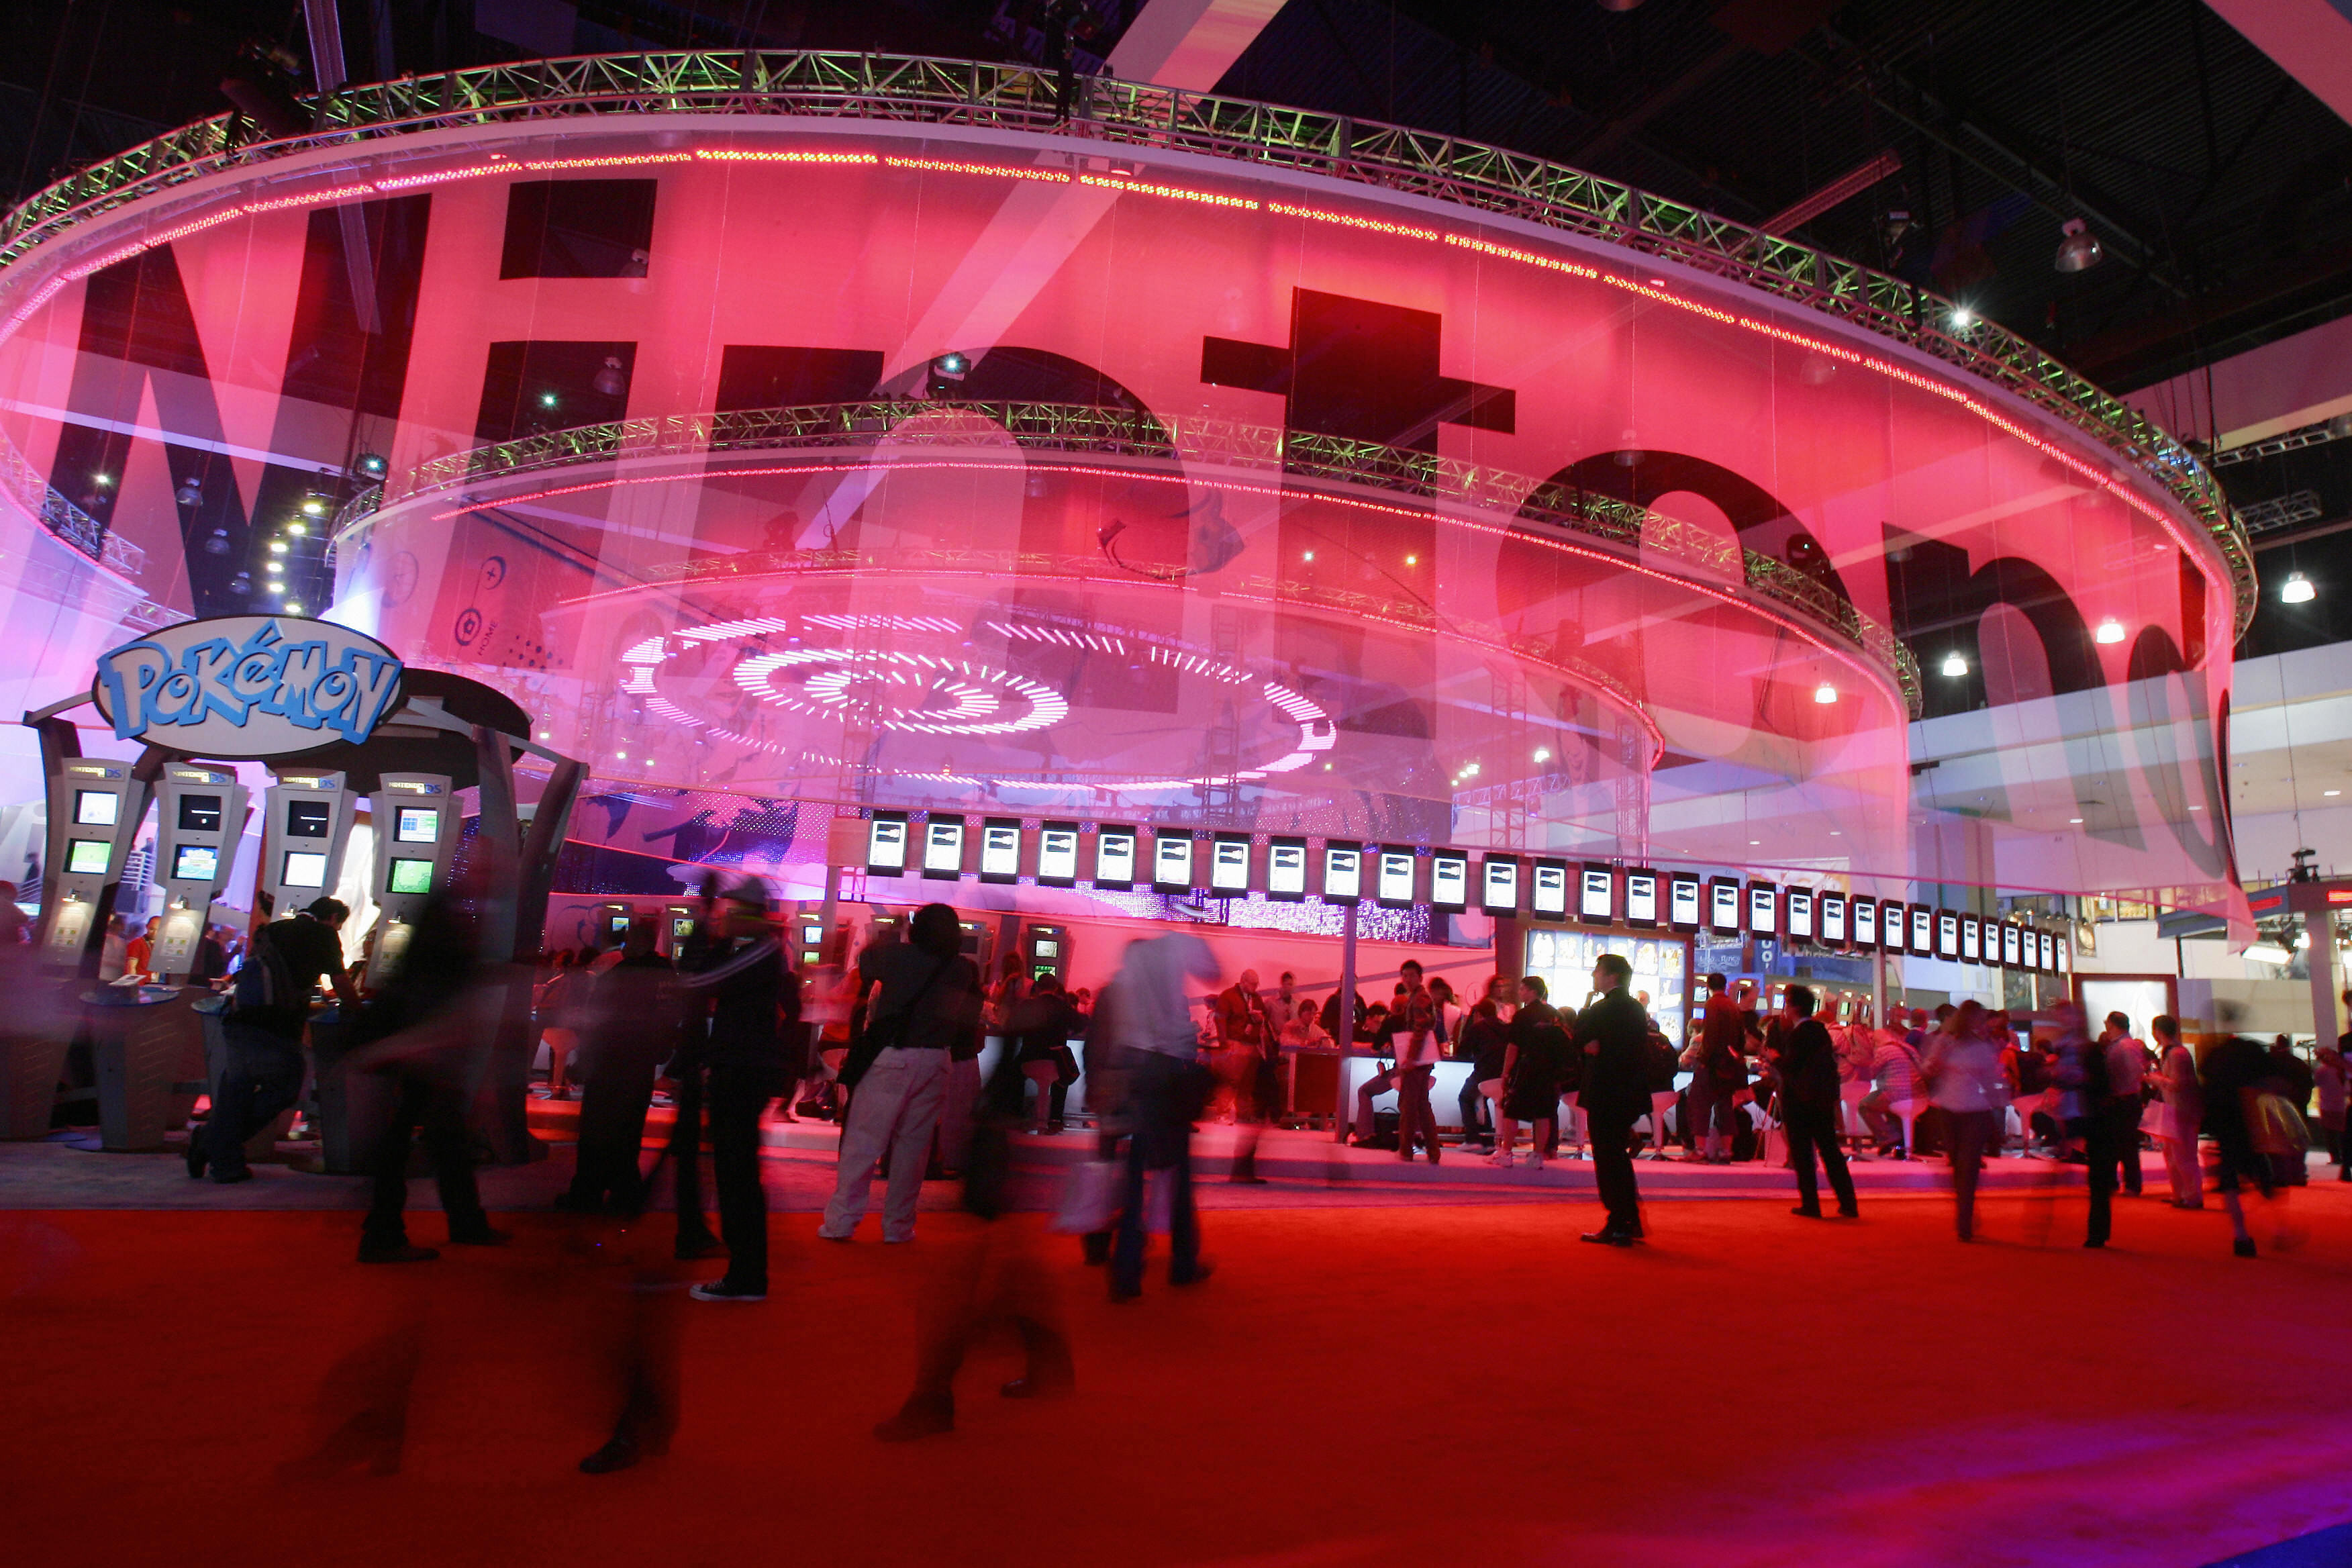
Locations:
{"points": [[1161, 1092], [259, 1079]]}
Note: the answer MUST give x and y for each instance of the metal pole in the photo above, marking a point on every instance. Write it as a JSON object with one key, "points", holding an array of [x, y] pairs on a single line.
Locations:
{"points": [[1878, 987], [1346, 1030], [2319, 958]]}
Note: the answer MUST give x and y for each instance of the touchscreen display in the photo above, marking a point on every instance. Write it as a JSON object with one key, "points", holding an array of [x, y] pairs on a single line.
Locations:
{"points": [[195, 863], [417, 825], [309, 819], [88, 856], [200, 813], [96, 808], [304, 868], [414, 877]]}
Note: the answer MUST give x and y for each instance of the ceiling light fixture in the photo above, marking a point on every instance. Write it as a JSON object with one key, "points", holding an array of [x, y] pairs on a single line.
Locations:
{"points": [[2079, 251], [1825, 693], [2297, 590], [1961, 317], [1955, 665], [2111, 630]]}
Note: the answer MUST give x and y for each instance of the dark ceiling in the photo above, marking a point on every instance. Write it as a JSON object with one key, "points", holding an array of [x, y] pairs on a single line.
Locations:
{"points": [[2220, 190]]}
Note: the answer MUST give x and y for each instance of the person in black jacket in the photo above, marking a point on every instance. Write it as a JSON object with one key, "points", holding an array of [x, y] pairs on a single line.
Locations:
{"points": [[754, 998], [631, 1029], [1809, 1104], [1613, 1093]]}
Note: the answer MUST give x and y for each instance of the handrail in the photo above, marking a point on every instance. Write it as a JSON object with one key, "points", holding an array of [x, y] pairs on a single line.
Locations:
{"points": [[979, 93], [1086, 429]]}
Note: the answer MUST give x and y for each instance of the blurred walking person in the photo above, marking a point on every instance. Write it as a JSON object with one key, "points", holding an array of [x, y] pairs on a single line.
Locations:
{"points": [[1809, 1104], [1962, 1066], [754, 1009], [2233, 1073], [630, 1028], [2082, 1080], [2127, 1072], [924, 1002], [1154, 1049], [268, 1006]]}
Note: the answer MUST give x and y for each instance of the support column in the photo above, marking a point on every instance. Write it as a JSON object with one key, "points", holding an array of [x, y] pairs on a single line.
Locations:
{"points": [[2319, 958], [1346, 1033]]}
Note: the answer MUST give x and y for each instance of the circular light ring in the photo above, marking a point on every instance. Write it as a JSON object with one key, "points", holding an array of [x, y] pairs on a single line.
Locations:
{"points": [[827, 694]]}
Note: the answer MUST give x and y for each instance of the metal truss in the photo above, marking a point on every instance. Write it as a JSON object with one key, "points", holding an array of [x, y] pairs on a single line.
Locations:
{"points": [[61, 516], [1112, 114], [1621, 529]]}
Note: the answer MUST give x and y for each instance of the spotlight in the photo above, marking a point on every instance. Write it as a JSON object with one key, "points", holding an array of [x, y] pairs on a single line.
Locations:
{"points": [[298, 528], [1825, 693], [292, 608], [241, 583], [2297, 590], [1961, 317], [275, 566], [954, 366], [1543, 753], [218, 545], [1413, 560], [190, 493], [2111, 630], [314, 506], [546, 400], [371, 464], [103, 481], [610, 381], [1955, 665], [2079, 251], [277, 547]]}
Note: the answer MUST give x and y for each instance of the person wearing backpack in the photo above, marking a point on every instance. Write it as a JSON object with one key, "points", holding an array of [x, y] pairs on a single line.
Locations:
{"points": [[269, 1009]]}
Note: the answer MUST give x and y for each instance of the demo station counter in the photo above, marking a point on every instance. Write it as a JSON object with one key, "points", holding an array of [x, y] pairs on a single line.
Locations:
{"points": [[147, 1048]]}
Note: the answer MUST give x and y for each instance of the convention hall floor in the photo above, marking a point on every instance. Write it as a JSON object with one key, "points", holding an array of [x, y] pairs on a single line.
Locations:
{"points": [[1373, 1375]]}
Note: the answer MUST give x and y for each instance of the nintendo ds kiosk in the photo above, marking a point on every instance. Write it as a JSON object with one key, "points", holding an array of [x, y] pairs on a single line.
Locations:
{"points": [[200, 814], [416, 831]]}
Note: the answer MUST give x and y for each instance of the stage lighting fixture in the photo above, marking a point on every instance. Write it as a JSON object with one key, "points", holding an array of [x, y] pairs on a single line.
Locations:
{"points": [[371, 464], [1825, 693], [951, 366], [1962, 318], [218, 545], [314, 506], [191, 491], [298, 528], [2079, 251], [241, 583], [2111, 630], [103, 481], [609, 380], [1955, 665], [277, 547], [2297, 590], [546, 400]]}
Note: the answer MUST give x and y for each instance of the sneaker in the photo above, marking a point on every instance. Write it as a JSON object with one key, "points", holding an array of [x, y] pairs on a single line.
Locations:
{"points": [[1535, 1161], [1502, 1162], [720, 1290]]}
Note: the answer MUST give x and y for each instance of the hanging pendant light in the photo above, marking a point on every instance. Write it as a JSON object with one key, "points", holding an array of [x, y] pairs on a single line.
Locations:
{"points": [[2079, 251], [610, 380]]}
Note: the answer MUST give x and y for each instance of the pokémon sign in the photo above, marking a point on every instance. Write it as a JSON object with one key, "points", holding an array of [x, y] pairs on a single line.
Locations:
{"points": [[247, 686]]}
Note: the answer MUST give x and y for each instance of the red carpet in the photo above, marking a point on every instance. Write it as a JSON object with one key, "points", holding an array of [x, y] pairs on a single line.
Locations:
{"points": [[1423, 1386]]}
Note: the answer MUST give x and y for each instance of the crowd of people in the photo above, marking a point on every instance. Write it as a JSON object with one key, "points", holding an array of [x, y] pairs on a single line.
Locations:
{"points": [[891, 1045]]}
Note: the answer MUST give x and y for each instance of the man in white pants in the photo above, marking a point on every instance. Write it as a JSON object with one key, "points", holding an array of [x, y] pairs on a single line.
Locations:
{"points": [[923, 997]]}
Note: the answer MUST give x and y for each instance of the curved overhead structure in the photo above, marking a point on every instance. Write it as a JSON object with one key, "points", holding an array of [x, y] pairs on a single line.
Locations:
{"points": [[855, 431]]}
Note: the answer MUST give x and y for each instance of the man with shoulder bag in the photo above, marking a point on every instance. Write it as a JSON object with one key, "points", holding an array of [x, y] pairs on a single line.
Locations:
{"points": [[924, 1001]]}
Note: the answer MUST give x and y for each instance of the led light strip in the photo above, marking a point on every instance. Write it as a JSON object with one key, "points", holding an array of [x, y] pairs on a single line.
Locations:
{"points": [[1174, 192]]}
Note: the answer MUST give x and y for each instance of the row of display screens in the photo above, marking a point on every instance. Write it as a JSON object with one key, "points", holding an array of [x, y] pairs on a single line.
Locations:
{"points": [[1604, 895], [200, 863], [304, 818]]}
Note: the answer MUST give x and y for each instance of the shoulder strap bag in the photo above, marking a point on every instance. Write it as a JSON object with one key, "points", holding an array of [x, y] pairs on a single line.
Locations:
{"points": [[882, 1033]]}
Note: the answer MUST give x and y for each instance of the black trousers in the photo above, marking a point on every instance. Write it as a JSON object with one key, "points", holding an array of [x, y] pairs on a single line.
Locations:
{"points": [[260, 1078], [431, 1103], [1160, 1101], [737, 1095], [2123, 1135], [685, 1156], [1812, 1131], [1970, 1131], [612, 1108], [2097, 1133], [1474, 1113], [1613, 1170]]}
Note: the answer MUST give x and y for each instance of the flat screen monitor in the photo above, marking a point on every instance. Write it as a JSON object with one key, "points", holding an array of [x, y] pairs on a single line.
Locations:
{"points": [[1343, 873], [89, 857], [1763, 909], [1498, 885], [2049, 950], [309, 819], [97, 809], [1642, 899], [195, 863], [1449, 880], [1723, 906], [999, 850], [618, 925], [1548, 894], [1833, 919], [1115, 857], [1596, 895], [1801, 914], [943, 848], [1971, 940], [681, 928], [1947, 935], [1683, 901], [885, 846], [2058, 959], [200, 813], [1229, 864], [1923, 930], [1286, 868], [2011, 950], [1171, 862], [1865, 922], [304, 868], [1396, 878], [417, 825], [1047, 947], [1057, 854], [412, 876]]}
